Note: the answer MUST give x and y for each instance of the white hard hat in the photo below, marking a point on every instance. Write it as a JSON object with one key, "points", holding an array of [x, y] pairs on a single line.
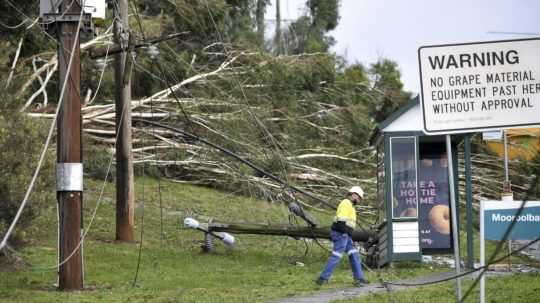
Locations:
{"points": [[357, 190]]}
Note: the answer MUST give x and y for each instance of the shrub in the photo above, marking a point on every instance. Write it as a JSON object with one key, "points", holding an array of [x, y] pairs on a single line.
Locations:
{"points": [[21, 140]]}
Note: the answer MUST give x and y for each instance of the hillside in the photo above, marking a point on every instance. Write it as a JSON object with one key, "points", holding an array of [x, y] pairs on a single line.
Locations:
{"points": [[173, 267]]}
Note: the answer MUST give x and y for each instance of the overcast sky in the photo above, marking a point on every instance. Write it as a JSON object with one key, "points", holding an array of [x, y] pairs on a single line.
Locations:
{"points": [[394, 29]]}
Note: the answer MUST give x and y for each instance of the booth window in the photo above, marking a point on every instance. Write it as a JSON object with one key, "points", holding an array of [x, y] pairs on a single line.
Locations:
{"points": [[381, 182], [403, 167]]}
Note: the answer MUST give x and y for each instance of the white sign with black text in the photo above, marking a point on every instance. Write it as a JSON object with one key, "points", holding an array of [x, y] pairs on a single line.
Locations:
{"points": [[480, 86]]}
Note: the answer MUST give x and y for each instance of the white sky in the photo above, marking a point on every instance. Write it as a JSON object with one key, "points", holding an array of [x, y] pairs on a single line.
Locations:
{"points": [[395, 29]]}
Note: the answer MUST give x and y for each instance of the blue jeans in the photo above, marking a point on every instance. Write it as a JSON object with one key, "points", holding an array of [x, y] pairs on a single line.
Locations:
{"points": [[343, 244]]}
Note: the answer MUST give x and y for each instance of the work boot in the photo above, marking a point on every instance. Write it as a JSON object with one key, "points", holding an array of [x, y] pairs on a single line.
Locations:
{"points": [[360, 282], [320, 281]]}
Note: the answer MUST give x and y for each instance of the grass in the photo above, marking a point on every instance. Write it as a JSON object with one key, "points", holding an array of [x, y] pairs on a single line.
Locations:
{"points": [[173, 269]]}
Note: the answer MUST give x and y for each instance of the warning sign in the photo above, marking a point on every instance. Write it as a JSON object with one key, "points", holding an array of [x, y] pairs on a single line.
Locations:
{"points": [[480, 86]]}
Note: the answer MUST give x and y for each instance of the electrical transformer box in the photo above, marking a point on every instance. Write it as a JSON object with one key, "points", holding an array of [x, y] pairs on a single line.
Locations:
{"points": [[96, 8]]}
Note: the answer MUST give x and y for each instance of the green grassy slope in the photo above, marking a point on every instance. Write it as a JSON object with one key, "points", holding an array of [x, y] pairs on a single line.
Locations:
{"points": [[174, 269]]}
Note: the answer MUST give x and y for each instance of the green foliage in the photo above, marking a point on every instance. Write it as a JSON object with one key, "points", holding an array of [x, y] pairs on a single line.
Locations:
{"points": [[13, 14], [324, 13], [22, 140], [529, 168], [96, 162], [308, 34], [387, 81]]}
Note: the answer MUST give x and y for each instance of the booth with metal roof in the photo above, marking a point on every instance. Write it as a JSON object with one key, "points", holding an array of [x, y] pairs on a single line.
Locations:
{"points": [[412, 188]]}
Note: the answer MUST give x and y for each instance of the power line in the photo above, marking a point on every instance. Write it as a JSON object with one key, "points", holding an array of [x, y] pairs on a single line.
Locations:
{"points": [[466, 273], [142, 222], [491, 261], [47, 142], [98, 203], [504, 238], [13, 26], [513, 33], [271, 176]]}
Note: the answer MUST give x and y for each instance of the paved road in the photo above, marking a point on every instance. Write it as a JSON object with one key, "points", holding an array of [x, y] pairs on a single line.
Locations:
{"points": [[350, 293]]}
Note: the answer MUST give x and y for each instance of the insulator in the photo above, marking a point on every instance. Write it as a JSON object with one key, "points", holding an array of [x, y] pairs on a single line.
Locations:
{"points": [[208, 242]]}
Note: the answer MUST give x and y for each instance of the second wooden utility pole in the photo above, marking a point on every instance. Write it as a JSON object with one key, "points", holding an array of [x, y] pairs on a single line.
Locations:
{"points": [[124, 155]]}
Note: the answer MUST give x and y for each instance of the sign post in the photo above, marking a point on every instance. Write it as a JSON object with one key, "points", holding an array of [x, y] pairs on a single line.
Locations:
{"points": [[453, 210], [482, 254], [475, 87]]}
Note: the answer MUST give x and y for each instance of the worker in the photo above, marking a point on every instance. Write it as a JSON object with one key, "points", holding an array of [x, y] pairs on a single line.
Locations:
{"points": [[341, 232]]}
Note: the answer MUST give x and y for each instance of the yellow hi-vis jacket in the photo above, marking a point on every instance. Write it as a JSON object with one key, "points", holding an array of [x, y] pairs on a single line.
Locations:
{"points": [[346, 213]]}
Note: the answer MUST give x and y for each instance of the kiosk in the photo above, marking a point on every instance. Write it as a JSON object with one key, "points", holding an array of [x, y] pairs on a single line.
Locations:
{"points": [[412, 188]]}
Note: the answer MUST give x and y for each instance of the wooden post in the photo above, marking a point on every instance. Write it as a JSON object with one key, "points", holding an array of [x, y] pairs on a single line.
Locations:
{"points": [[69, 153], [124, 154], [285, 230]]}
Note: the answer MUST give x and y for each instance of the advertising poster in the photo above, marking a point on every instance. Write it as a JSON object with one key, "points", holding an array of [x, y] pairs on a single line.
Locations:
{"points": [[434, 197]]}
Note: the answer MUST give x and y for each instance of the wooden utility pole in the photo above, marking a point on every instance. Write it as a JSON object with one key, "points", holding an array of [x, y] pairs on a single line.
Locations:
{"points": [[285, 230], [69, 150], [124, 156]]}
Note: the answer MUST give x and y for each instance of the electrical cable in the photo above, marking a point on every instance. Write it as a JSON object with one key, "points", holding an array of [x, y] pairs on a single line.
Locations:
{"points": [[14, 26], [142, 225], [194, 136], [466, 273], [491, 260], [158, 176], [94, 213], [503, 240], [102, 70], [230, 153], [159, 181], [47, 142]]}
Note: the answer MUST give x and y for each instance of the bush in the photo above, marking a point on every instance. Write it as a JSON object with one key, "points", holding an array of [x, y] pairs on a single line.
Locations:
{"points": [[22, 141], [96, 160]]}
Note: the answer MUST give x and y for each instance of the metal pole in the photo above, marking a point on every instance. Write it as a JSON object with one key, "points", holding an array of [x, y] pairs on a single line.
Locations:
{"points": [[124, 156], [455, 232], [468, 189], [505, 156], [69, 153], [507, 188], [482, 254]]}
